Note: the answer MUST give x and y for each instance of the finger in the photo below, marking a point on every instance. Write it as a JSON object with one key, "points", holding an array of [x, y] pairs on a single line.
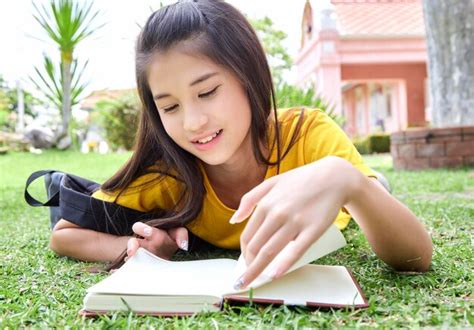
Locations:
{"points": [[266, 255], [180, 236], [260, 228], [158, 239], [250, 199], [153, 237], [293, 253], [132, 246], [142, 229], [255, 221]]}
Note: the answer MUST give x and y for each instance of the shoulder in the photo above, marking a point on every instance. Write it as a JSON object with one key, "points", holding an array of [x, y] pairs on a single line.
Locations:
{"points": [[149, 191], [304, 120], [289, 116], [319, 136]]}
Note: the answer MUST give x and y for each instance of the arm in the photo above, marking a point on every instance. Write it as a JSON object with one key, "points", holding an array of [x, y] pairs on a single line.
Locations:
{"points": [[68, 239], [393, 231], [283, 209], [73, 241]]}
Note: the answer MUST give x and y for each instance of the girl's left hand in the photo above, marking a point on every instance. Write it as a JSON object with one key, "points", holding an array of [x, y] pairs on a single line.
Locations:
{"points": [[298, 205]]}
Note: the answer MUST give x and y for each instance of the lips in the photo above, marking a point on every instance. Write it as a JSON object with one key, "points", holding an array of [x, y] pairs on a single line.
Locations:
{"points": [[208, 138]]}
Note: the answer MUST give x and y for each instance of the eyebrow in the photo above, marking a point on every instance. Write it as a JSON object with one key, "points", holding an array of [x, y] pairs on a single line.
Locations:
{"points": [[195, 82]]}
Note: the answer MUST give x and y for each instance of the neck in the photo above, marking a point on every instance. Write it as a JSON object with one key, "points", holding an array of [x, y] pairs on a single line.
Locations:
{"points": [[240, 174]]}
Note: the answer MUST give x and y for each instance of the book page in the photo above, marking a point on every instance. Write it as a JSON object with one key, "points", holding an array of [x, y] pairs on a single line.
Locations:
{"points": [[147, 274], [330, 241], [312, 285]]}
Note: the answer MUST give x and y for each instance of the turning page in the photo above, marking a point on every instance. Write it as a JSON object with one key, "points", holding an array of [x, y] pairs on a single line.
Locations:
{"points": [[330, 241], [147, 274]]}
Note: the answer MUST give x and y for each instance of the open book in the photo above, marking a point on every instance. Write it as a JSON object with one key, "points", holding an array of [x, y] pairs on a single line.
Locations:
{"points": [[147, 284]]}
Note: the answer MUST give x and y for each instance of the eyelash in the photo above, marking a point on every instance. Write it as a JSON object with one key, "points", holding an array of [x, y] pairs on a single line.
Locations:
{"points": [[204, 95]]}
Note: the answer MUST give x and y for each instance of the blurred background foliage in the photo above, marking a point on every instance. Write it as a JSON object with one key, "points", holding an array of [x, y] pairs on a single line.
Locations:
{"points": [[9, 106], [119, 118]]}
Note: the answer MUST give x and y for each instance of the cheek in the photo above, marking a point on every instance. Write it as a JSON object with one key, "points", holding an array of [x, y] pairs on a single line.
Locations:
{"points": [[172, 129]]}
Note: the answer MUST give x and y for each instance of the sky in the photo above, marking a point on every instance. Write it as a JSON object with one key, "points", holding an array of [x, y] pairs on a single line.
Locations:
{"points": [[111, 50]]}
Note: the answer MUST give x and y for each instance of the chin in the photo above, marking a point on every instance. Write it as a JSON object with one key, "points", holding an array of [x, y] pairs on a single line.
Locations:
{"points": [[214, 160]]}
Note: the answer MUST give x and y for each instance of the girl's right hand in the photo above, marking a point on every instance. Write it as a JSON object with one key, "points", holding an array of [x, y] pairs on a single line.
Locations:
{"points": [[163, 243]]}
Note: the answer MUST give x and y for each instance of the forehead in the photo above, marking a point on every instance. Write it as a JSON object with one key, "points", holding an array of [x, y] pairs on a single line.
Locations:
{"points": [[177, 67]]}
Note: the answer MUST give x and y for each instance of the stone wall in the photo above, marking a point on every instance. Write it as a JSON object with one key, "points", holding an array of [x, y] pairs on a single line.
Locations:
{"points": [[422, 148]]}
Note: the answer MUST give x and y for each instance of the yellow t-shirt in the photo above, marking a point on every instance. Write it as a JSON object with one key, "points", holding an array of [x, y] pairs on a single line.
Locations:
{"points": [[320, 137]]}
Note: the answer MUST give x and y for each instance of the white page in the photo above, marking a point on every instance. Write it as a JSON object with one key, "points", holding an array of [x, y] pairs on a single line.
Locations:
{"points": [[312, 283], [147, 274], [330, 241]]}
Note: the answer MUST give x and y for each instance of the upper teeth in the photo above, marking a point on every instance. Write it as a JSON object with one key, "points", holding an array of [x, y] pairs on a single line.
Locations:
{"points": [[209, 138]]}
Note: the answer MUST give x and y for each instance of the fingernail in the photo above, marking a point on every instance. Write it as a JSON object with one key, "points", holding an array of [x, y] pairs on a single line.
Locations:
{"points": [[125, 259], [147, 231], [239, 284], [129, 251], [233, 218], [184, 245]]}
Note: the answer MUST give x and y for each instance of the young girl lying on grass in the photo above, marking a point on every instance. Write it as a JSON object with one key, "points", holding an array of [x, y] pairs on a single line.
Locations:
{"points": [[214, 154]]}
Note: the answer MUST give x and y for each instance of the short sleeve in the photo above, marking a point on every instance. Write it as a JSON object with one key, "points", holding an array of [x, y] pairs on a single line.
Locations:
{"points": [[323, 137], [145, 194]]}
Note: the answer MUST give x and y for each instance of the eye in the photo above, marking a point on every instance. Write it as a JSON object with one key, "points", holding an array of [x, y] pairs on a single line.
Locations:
{"points": [[211, 92], [170, 108]]}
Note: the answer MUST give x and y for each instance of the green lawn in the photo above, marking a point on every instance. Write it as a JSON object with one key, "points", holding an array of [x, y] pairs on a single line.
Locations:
{"points": [[41, 290]]}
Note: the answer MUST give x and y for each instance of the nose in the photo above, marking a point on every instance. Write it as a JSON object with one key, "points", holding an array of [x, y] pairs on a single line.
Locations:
{"points": [[194, 119]]}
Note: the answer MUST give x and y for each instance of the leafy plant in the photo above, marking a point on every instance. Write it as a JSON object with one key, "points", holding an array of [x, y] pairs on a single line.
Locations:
{"points": [[51, 82], [119, 117], [66, 23]]}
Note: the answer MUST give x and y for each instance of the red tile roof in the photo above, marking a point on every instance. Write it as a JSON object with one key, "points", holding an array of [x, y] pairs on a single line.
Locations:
{"points": [[379, 18]]}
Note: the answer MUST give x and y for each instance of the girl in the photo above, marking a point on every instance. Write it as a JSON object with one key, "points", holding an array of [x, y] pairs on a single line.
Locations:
{"points": [[215, 159]]}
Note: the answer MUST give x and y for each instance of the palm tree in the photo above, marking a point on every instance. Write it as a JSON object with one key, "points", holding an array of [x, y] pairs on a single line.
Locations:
{"points": [[50, 81], [66, 23]]}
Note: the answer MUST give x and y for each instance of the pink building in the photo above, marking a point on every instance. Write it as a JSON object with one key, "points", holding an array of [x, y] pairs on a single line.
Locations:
{"points": [[368, 58]]}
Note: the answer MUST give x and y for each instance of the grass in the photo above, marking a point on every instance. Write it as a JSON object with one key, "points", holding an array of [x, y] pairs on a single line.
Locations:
{"points": [[39, 289]]}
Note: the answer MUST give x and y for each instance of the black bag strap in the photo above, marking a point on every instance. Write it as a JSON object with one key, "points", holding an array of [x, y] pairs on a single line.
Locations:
{"points": [[52, 201]]}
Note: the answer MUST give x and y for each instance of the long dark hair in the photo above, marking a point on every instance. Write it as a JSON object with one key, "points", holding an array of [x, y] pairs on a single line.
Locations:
{"points": [[218, 31]]}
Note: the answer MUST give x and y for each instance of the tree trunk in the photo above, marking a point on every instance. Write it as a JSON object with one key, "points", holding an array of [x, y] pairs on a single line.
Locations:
{"points": [[66, 104], [450, 40]]}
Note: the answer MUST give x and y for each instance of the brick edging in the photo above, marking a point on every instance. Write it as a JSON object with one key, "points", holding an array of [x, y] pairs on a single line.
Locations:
{"points": [[423, 148]]}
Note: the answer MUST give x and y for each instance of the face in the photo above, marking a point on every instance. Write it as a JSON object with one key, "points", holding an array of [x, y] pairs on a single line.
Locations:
{"points": [[202, 106]]}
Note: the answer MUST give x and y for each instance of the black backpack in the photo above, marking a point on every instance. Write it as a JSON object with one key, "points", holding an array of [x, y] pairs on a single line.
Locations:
{"points": [[70, 197]]}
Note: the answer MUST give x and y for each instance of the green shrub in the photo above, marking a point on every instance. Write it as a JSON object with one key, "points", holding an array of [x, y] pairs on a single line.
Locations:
{"points": [[119, 118], [362, 145], [380, 143], [377, 143]]}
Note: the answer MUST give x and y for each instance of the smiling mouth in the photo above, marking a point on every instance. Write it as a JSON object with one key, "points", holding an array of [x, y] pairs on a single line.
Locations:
{"points": [[209, 138]]}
